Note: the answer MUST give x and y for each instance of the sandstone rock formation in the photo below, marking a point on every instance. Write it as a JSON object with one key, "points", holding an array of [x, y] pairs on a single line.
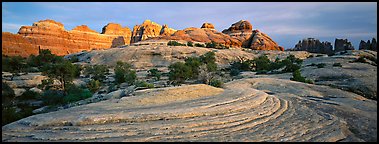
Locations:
{"points": [[124, 34], [146, 56], [259, 109], [261, 41], [208, 25], [166, 31], [314, 46], [203, 35], [342, 45], [48, 34], [368, 45]]}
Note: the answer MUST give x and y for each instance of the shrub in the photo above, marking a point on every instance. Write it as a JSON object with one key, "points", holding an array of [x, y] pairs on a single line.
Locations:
{"points": [[211, 44], [94, 85], [123, 73], [296, 76], [190, 44], [74, 59], [155, 73], [52, 97], [175, 43], [262, 63], [65, 72], [29, 95], [45, 57], [179, 72], [13, 64], [144, 84], [97, 72], [234, 72], [210, 60], [216, 83], [194, 63], [75, 94], [320, 65], [7, 94], [199, 45], [337, 65]]}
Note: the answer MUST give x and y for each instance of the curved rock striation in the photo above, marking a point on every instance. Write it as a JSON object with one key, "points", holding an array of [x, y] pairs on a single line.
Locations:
{"points": [[258, 109]]}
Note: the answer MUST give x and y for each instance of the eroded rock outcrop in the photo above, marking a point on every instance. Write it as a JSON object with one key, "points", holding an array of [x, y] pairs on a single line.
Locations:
{"points": [[242, 31], [49, 34], [208, 26], [314, 46], [342, 45], [261, 41], [368, 45], [166, 31]]}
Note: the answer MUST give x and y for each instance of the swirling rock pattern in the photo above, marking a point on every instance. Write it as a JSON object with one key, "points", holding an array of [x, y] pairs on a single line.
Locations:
{"points": [[260, 109]]}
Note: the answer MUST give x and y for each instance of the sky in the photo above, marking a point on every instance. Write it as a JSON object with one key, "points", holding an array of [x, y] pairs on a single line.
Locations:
{"points": [[285, 22]]}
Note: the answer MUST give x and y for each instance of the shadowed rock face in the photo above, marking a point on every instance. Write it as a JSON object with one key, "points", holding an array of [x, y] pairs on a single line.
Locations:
{"points": [[259, 109], [368, 45], [208, 25], [48, 34], [342, 45], [314, 46]]}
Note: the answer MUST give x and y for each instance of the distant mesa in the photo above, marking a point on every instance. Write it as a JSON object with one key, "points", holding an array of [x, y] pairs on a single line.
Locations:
{"points": [[49, 34]]}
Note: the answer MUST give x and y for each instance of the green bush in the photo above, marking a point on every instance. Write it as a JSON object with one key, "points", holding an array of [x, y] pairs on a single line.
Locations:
{"points": [[337, 65], [193, 63], [320, 65], [179, 72], [75, 94], [144, 84], [94, 85], [52, 97], [175, 43], [216, 83], [64, 71], [45, 57], [210, 60], [14, 64], [96, 72], [190, 44], [155, 73], [199, 45], [7, 94], [296, 76], [234, 72], [29, 95], [123, 73], [74, 59], [211, 44]]}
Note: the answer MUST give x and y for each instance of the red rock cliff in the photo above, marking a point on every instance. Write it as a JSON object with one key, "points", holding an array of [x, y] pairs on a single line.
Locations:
{"points": [[48, 34]]}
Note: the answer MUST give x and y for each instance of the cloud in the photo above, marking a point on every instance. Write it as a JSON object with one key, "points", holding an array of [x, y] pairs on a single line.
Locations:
{"points": [[10, 27]]}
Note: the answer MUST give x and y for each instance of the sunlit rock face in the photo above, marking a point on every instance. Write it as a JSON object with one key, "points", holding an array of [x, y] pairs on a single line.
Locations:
{"points": [[49, 34]]}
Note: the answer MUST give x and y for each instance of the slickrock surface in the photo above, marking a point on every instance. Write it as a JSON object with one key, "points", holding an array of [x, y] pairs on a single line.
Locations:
{"points": [[261, 109], [145, 57], [48, 34]]}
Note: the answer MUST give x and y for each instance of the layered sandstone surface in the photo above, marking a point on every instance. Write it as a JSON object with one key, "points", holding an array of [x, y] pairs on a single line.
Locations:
{"points": [[145, 57], [258, 109]]}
